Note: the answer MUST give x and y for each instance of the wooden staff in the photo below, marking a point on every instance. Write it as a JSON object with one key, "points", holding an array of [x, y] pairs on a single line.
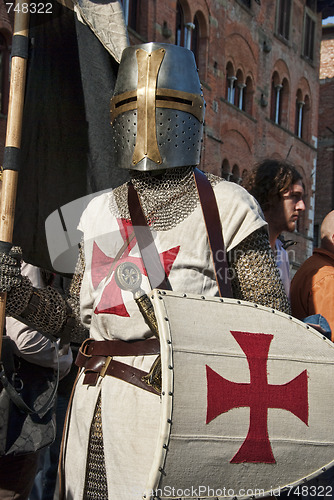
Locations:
{"points": [[14, 131]]}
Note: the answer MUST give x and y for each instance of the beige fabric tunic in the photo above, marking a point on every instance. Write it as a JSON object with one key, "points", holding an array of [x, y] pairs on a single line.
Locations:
{"points": [[130, 416]]}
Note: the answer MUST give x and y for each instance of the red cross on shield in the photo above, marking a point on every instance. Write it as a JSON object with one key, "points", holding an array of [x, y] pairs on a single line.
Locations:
{"points": [[223, 395]]}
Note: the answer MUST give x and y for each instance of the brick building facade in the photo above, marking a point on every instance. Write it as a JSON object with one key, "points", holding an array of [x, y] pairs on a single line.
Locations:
{"points": [[325, 164], [258, 63]]}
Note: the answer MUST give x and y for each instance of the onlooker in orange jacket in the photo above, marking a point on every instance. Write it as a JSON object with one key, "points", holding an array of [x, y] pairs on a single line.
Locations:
{"points": [[312, 288]]}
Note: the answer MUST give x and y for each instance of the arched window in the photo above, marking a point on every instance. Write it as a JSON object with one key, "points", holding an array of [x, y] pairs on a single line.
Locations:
{"points": [[131, 10], [239, 90], [4, 75], [279, 100], [306, 119], [284, 103], [226, 173], [276, 107], [283, 18], [302, 115], [236, 174], [230, 83], [197, 31], [248, 96], [299, 113], [310, 25], [195, 38], [180, 27]]}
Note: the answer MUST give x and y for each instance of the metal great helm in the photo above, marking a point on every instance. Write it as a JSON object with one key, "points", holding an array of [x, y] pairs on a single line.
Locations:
{"points": [[157, 110]]}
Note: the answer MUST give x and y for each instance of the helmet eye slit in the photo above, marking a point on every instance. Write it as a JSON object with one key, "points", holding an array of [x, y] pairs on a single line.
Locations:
{"points": [[123, 102], [174, 99]]}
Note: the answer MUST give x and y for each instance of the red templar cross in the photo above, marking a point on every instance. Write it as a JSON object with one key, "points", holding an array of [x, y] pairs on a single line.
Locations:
{"points": [[111, 301], [223, 395]]}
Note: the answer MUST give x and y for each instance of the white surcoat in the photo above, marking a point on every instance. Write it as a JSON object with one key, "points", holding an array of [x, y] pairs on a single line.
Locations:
{"points": [[130, 416]]}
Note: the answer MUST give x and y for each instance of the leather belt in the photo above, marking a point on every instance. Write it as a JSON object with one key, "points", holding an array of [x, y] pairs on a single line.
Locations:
{"points": [[96, 357]]}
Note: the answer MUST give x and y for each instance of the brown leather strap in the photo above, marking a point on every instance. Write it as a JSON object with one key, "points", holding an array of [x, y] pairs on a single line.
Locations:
{"points": [[214, 232], [155, 271], [96, 366], [96, 359], [91, 347], [119, 254]]}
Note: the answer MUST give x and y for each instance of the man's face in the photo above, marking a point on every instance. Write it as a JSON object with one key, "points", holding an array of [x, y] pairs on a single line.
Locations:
{"points": [[290, 207]]}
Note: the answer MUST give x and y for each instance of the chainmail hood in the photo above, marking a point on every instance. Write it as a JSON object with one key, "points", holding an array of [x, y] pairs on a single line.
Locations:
{"points": [[166, 200]]}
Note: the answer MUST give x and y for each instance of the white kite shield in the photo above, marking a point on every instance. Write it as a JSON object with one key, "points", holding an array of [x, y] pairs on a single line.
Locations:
{"points": [[247, 400]]}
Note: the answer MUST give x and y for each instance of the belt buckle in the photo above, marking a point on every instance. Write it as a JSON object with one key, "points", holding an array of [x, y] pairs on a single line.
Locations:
{"points": [[153, 378], [105, 366]]}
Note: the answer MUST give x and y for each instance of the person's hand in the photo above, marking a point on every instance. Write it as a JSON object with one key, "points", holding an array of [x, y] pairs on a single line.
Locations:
{"points": [[10, 269]]}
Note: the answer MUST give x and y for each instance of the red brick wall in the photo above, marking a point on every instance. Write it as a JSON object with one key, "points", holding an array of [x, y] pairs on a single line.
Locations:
{"points": [[325, 165], [233, 33], [327, 53]]}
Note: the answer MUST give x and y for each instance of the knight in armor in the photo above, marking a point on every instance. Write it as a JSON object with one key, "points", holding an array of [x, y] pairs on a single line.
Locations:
{"points": [[157, 115]]}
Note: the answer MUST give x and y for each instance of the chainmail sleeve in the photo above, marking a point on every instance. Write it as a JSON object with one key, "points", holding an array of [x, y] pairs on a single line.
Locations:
{"points": [[80, 332], [49, 311], [254, 274]]}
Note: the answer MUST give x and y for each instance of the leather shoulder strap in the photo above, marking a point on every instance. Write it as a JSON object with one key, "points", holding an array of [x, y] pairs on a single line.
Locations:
{"points": [[214, 232], [155, 271], [148, 249]]}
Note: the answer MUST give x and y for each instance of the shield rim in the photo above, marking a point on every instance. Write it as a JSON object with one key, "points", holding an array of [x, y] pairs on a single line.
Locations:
{"points": [[160, 454]]}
